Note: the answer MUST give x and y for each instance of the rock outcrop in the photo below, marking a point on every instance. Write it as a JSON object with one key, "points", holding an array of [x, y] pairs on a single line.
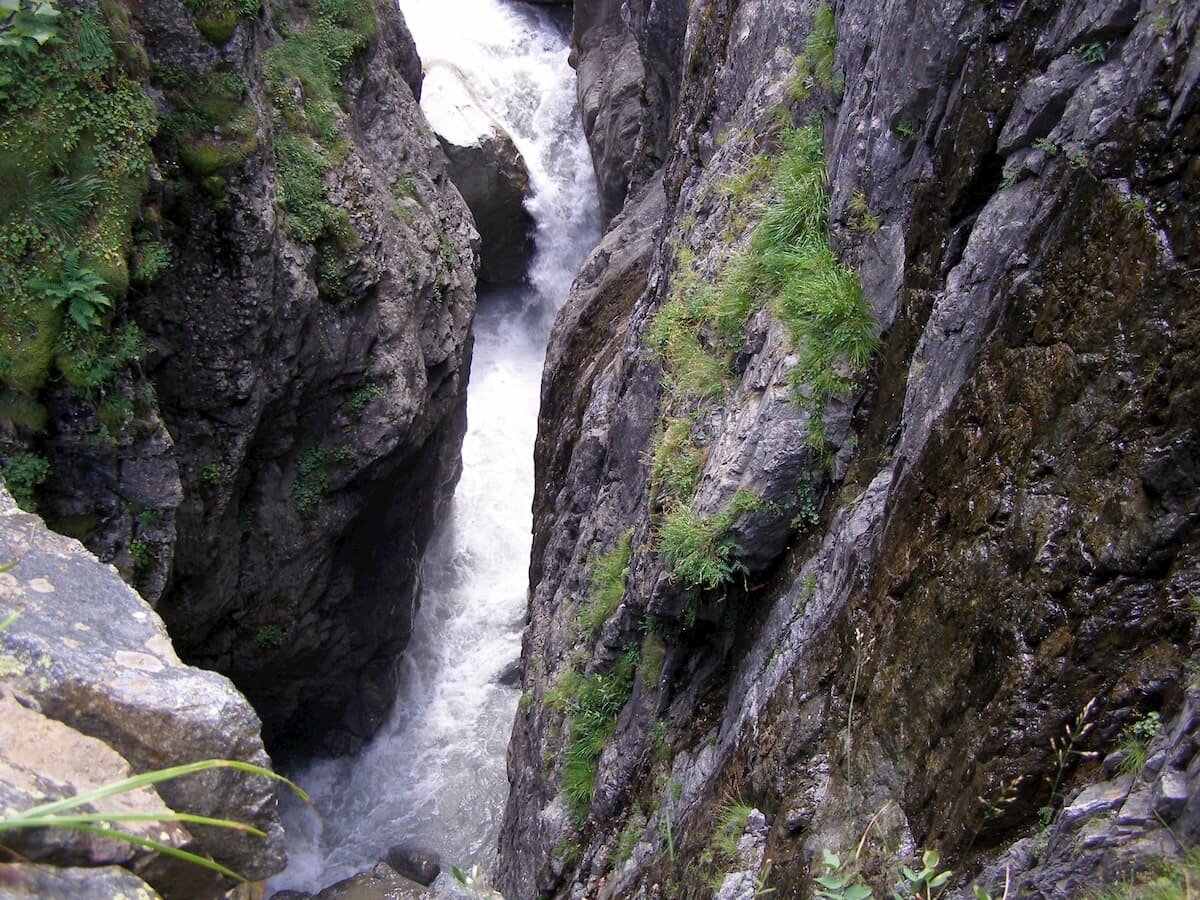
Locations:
{"points": [[897, 564], [263, 428], [494, 182], [92, 691]]}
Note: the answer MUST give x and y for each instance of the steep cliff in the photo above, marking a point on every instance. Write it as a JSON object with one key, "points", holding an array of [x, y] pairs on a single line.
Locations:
{"points": [[865, 513], [287, 285]]}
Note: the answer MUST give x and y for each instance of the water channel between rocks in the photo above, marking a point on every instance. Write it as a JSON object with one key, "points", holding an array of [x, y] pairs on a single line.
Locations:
{"points": [[435, 774]]}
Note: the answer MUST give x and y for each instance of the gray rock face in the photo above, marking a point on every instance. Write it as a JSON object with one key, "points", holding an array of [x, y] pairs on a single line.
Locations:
{"points": [[493, 180], [989, 549], [315, 394], [628, 58], [106, 693]]}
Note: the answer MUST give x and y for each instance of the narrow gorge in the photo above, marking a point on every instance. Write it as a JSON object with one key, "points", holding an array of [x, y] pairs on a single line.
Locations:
{"points": [[826, 481]]}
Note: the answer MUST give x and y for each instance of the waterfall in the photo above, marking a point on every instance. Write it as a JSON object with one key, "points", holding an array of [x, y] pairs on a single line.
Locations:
{"points": [[435, 774]]}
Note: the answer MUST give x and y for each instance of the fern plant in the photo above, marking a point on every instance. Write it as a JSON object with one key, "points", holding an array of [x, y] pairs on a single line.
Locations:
{"points": [[78, 289]]}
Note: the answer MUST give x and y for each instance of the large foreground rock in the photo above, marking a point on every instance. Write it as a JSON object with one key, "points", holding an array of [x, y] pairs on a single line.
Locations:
{"points": [[91, 655]]}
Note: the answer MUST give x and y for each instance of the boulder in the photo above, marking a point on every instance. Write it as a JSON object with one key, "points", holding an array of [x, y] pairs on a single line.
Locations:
{"points": [[421, 866], [492, 177], [25, 880], [92, 655], [380, 883]]}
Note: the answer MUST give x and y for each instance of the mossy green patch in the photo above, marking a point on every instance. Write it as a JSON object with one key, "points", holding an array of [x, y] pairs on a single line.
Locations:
{"points": [[304, 77], [73, 162]]}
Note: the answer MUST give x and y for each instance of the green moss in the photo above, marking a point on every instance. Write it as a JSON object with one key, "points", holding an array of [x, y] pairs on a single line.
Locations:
{"points": [[608, 584], [78, 527], [22, 411], [73, 159], [217, 19], [653, 656]]}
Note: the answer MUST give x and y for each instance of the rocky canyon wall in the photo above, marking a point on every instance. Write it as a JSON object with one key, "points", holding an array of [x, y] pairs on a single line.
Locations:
{"points": [[262, 422], [865, 511]]}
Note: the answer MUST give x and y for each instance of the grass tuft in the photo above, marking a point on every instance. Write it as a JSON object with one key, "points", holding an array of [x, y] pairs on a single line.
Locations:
{"points": [[608, 584], [698, 548]]}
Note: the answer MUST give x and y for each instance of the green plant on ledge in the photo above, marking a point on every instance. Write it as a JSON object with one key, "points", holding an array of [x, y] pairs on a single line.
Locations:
{"points": [[592, 704], [23, 473], [698, 548]]}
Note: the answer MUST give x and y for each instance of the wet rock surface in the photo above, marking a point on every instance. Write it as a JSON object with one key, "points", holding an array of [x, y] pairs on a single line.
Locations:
{"points": [[988, 557]]}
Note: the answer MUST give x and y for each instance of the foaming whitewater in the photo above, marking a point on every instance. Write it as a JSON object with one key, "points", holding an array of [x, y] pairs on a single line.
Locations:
{"points": [[435, 774]]}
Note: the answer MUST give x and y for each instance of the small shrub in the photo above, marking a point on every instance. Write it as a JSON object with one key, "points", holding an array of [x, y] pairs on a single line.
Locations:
{"points": [[310, 482], [607, 584], [269, 637], [1135, 739], [1046, 145], [366, 391], [211, 473], [139, 554], [864, 220], [24, 473]]}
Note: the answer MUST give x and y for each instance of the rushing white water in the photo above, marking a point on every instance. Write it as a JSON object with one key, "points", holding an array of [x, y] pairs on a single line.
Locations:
{"points": [[435, 774]]}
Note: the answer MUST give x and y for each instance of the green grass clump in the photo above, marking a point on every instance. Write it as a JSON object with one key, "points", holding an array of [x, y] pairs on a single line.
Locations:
{"points": [[608, 584], [698, 548], [1135, 740], [217, 19], [74, 153], [815, 295], [592, 704], [814, 67], [630, 834], [730, 829], [653, 655], [675, 466], [310, 482], [23, 474]]}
